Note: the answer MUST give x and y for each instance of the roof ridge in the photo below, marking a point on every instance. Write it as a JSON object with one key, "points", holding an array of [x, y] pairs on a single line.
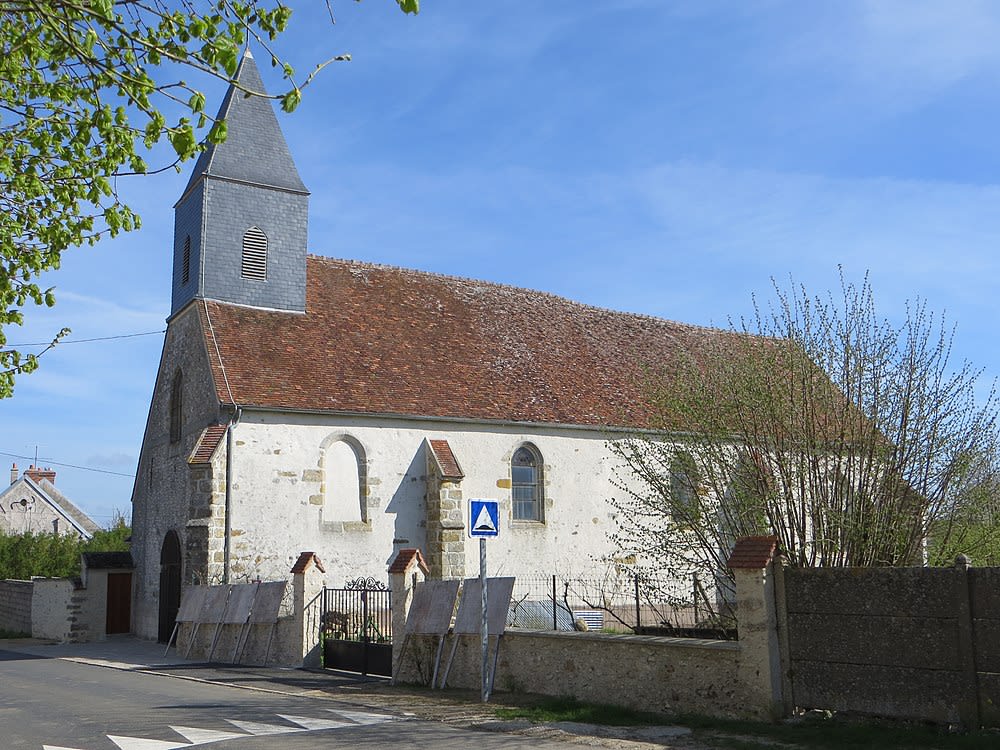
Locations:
{"points": [[693, 327]]}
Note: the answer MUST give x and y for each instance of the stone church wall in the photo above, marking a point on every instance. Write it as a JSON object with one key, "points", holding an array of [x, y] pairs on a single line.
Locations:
{"points": [[163, 494], [280, 490]]}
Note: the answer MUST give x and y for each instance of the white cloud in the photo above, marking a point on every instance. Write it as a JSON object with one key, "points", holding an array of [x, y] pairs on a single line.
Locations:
{"points": [[897, 53]]}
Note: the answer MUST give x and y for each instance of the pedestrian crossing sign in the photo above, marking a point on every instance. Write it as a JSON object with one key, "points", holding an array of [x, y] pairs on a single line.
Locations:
{"points": [[484, 518]]}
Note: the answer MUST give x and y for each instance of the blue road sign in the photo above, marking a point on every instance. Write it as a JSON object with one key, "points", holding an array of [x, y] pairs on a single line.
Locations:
{"points": [[484, 518]]}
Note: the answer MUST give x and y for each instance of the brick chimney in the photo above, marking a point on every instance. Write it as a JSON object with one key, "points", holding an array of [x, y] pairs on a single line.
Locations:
{"points": [[37, 474], [13, 473]]}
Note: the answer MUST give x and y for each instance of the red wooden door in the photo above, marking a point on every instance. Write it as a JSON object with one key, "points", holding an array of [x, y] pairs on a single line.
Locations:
{"points": [[119, 619]]}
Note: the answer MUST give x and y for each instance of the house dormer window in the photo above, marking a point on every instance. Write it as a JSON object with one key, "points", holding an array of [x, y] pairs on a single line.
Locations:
{"points": [[254, 264]]}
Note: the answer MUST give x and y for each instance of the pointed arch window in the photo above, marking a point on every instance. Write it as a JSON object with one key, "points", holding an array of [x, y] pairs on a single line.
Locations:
{"points": [[254, 264], [526, 484], [176, 397], [186, 261], [685, 504]]}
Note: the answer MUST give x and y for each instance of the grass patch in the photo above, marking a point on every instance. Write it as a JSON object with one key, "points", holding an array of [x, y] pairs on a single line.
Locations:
{"points": [[835, 733], [838, 733], [13, 634], [570, 709]]}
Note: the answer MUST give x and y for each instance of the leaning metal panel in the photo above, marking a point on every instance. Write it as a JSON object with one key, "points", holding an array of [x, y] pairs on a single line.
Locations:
{"points": [[240, 602], [214, 606], [432, 607], [469, 618], [267, 603], [192, 601]]}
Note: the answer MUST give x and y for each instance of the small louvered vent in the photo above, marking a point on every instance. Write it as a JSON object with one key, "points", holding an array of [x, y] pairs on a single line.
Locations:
{"points": [[254, 255], [186, 261]]}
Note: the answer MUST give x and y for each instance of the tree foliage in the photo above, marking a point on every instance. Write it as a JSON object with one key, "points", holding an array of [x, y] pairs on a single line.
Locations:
{"points": [[84, 85], [56, 555], [854, 440]]}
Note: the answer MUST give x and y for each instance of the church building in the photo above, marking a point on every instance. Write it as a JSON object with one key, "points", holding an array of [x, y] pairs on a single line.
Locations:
{"points": [[353, 409]]}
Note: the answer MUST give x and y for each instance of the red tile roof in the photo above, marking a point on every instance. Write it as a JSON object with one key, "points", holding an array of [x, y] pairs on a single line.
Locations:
{"points": [[305, 560], [753, 552], [383, 340], [406, 558], [446, 461], [210, 438]]}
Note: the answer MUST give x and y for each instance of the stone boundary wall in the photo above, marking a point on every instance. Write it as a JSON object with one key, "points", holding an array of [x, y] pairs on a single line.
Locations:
{"points": [[15, 606], [55, 605], [666, 675]]}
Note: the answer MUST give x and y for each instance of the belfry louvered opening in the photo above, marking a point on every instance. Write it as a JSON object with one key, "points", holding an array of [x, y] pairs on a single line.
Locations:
{"points": [[254, 255], [186, 261]]}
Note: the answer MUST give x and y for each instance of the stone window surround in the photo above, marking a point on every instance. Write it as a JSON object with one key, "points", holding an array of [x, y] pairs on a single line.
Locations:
{"points": [[540, 483], [367, 502]]}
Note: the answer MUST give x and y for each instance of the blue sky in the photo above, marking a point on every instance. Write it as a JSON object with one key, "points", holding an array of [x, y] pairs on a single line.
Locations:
{"points": [[666, 158]]}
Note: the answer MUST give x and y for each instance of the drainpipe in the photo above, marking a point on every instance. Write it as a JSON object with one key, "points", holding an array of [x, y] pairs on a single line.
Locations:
{"points": [[237, 413]]}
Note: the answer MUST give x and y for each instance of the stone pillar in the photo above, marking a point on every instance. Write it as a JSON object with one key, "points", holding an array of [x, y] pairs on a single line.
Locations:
{"points": [[752, 563], [406, 571], [307, 605], [445, 522]]}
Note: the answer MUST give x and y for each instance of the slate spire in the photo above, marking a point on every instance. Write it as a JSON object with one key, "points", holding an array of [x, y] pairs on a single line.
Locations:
{"points": [[240, 227], [255, 150]]}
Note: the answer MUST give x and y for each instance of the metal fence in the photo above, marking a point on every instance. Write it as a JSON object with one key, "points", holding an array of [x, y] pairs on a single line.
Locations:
{"points": [[620, 603]]}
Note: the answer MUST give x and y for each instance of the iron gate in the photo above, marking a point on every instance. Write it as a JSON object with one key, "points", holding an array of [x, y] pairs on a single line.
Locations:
{"points": [[357, 627]]}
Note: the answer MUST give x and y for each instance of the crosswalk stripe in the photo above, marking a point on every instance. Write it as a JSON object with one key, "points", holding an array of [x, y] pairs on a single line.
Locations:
{"points": [[256, 728], [58, 747], [141, 743], [361, 717], [316, 724], [198, 736]]}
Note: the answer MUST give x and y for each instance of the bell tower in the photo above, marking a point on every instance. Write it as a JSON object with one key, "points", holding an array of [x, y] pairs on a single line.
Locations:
{"points": [[240, 226]]}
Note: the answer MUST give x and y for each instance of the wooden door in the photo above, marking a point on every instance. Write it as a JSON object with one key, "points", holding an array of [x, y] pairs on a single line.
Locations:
{"points": [[119, 614]]}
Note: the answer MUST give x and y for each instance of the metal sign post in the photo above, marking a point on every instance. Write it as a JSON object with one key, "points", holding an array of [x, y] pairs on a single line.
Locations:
{"points": [[484, 521], [484, 627]]}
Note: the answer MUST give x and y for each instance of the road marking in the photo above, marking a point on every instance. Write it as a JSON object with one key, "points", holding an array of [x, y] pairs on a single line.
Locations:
{"points": [[316, 724], [361, 717], [257, 728], [141, 743], [198, 736]]}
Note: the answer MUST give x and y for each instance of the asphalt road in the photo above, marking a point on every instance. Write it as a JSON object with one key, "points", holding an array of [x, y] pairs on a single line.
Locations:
{"points": [[57, 704]]}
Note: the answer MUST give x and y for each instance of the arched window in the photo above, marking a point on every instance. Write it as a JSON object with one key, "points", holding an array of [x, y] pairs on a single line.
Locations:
{"points": [[684, 501], [186, 261], [176, 413], [342, 478], [746, 505], [526, 484], [254, 255], [343, 467]]}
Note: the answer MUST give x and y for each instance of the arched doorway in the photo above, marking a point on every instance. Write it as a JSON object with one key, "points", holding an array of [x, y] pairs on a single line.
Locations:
{"points": [[170, 585]]}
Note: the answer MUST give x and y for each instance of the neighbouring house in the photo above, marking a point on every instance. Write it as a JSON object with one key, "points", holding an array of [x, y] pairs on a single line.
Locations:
{"points": [[33, 504], [304, 402]]}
